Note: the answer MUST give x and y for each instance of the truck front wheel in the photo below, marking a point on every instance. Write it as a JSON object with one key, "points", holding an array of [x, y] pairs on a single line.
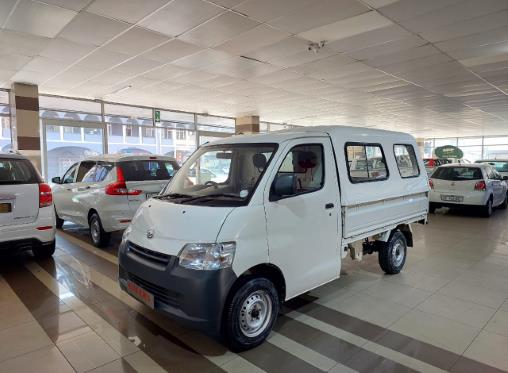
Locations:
{"points": [[392, 254], [250, 314]]}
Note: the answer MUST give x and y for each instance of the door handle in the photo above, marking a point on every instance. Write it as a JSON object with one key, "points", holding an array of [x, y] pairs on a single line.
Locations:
{"points": [[83, 188], [329, 206]]}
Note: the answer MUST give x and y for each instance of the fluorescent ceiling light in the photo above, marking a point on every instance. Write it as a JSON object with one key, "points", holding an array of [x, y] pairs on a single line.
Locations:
{"points": [[347, 27], [120, 90]]}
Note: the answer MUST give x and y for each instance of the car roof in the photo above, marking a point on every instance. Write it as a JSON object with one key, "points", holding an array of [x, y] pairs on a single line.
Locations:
{"points": [[491, 160], [12, 155], [128, 157], [466, 165], [351, 133]]}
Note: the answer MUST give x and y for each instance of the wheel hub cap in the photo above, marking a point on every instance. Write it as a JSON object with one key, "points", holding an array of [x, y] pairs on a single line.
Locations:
{"points": [[255, 314], [398, 253], [95, 230]]}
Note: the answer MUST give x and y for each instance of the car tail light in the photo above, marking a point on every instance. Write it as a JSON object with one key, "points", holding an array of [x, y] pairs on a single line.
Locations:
{"points": [[45, 195], [119, 187], [480, 185], [431, 184]]}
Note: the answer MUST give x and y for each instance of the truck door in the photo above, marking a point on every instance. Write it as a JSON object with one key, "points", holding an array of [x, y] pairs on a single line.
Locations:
{"points": [[303, 215]]}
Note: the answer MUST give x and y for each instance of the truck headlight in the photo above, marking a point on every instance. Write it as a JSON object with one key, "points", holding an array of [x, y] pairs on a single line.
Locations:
{"points": [[207, 256]]}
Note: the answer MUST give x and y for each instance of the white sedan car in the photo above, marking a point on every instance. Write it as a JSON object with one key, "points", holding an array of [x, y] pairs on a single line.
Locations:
{"points": [[27, 217], [477, 185], [104, 192]]}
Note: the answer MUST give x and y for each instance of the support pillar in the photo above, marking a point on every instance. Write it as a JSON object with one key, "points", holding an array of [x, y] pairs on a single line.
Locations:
{"points": [[25, 128], [421, 145], [247, 124]]}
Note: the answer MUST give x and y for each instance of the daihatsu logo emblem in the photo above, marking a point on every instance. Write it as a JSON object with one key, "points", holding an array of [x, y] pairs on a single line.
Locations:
{"points": [[149, 234]]}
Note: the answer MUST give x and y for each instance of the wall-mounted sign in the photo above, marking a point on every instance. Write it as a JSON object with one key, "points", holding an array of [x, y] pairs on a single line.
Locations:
{"points": [[448, 151], [157, 116]]}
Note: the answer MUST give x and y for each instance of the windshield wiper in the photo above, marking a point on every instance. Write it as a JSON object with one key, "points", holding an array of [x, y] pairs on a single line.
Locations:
{"points": [[212, 196], [173, 195]]}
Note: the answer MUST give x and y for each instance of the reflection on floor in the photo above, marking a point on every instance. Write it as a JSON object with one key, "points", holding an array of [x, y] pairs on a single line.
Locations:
{"points": [[448, 311]]}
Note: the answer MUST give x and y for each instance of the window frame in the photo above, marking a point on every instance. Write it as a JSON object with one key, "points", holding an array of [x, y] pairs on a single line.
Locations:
{"points": [[416, 159], [323, 160], [365, 144], [75, 166]]}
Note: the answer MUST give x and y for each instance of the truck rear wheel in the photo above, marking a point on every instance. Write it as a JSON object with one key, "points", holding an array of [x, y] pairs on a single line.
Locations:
{"points": [[250, 314], [392, 254]]}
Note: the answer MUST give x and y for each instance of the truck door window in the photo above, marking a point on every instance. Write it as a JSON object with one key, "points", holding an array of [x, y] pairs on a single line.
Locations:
{"points": [[406, 160], [365, 162], [302, 170]]}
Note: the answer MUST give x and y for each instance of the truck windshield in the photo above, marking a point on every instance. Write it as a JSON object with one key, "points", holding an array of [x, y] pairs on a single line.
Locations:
{"points": [[220, 175]]}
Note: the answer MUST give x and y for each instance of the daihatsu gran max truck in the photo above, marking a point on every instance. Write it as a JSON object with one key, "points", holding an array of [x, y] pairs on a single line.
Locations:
{"points": [[222, 254]]}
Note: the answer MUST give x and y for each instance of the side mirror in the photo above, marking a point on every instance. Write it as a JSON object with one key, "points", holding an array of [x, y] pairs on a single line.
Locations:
{"points": [[56, 180], [283, 185], [505, 177]]}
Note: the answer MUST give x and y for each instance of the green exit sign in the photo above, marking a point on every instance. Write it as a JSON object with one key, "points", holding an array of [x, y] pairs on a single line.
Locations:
{"points": [[157, 116]]}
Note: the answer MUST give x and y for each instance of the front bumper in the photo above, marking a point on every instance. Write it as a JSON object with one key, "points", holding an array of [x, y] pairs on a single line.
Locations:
{"points": [[194, 298]]}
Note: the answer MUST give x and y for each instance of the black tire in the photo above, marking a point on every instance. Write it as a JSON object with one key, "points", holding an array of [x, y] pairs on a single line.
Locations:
{"points": [[59, 222], [44, 251], [100, 238], [236, 332], [432, 208], [389, 255], [504, 205], [487, 209]]}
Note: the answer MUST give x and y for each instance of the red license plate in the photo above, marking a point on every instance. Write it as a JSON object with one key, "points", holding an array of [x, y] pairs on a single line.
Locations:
{"points": [[140, 293]]}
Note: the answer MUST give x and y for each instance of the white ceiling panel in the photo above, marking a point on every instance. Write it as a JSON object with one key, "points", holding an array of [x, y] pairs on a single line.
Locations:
{"points": [[253, 39], [389, 47], [171, 51], [63, 50], [20, 43], [348, 27], [407, 9], [266, 10], [206, 57], [180, 16], [130, 11], [219, 29], [38, 18], [103, 59], [13, 61], [137, 65], [319, 13], [5, 9], [89, 28], [76, 5], [135, 41]]}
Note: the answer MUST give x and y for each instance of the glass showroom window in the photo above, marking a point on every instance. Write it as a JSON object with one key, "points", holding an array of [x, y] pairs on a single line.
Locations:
{"points": [[444, 142], [5, 134]]}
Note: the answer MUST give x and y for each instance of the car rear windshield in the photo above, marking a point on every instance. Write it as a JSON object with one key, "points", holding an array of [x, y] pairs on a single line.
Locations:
{"points": [[17, 171], [458, 173], [143, 170]]}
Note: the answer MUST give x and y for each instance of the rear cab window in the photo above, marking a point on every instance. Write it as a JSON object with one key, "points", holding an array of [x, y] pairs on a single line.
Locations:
{"points": [[146, 170], [365, 162], [17, 171], [407, 162], [458, 173]]}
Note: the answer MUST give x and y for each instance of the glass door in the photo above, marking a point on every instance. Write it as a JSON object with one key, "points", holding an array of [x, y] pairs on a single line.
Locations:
{"points": [[67, 142]]}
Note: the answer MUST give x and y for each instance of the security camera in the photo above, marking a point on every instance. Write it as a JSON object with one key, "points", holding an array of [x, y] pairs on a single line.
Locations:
{"points": [[315, 47]]}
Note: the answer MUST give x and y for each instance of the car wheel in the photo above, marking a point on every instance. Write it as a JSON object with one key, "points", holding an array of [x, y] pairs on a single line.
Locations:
{"points": [[59, 222], [487, 209], [504, 205], [250, 314], [44, 251], [392, 254], [100, 237]]}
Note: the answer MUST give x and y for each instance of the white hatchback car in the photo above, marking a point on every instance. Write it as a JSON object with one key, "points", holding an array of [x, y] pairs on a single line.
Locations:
{"points": [[27, 217], [500, 165], [477, 185], [104, 192]]}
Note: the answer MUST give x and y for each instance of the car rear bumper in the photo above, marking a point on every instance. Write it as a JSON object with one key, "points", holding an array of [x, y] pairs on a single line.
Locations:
{"points": [[22, 245], [469, 199], [194, 298], [45, 219]]}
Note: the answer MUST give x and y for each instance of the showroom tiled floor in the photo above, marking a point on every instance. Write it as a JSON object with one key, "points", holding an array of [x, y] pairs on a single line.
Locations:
{"points": [[448, 311]]}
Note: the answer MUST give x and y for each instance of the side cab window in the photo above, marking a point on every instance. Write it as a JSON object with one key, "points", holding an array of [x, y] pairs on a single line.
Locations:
{"points": [[365, 162], [302, 171]]}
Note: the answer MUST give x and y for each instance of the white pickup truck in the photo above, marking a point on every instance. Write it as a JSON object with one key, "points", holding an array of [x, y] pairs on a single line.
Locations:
{"points": [[222, 256]]}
